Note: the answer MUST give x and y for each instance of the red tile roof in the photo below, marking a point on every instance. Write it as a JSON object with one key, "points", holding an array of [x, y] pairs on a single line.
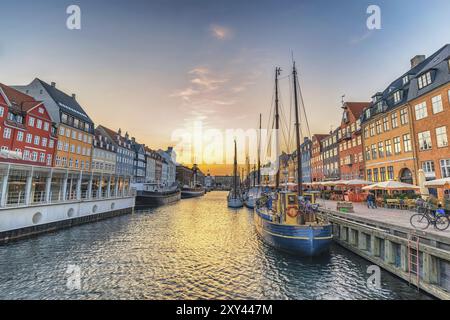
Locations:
{"points": [[23, 101], [356, 108]]}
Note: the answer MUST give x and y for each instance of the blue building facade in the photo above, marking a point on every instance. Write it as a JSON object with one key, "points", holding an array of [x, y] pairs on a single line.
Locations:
{"points": [[306, 148]]}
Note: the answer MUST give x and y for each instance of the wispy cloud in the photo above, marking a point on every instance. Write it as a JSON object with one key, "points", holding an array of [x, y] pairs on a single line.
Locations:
{"points": [[221, 32]]}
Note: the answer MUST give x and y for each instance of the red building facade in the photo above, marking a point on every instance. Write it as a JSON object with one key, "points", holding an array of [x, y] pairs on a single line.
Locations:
{"points": [[350, 141], [27, 135]]}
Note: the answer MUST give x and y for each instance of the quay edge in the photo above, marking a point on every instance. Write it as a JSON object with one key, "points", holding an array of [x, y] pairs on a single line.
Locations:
{"points": [[23, 222], [388, 246]]}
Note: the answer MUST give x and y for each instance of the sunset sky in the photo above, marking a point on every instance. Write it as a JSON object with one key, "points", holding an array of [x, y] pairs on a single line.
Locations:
{"points": [[151, 67]]}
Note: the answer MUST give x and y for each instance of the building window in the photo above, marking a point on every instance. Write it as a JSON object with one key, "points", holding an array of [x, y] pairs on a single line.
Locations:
{"points": [[424, 140], [367, 153], [380, 149], [51, 144], [424, 80], [388, 146], [397, 146], [374, 151], [49, 159], [67, 133], [386, 123], [428, 166], [39, 124], [394, 120], [404, 116], [46, 126], [37, 140], [445, 168], [369, 175], [366, 132], [441, 137], [382, 174], [2, 111], [405, 80], [44, 142], [64, 118], [42, 157], [390, 171], [375, 175], [7, 133], [378, 126], [31, 122], [34, 156], [61, 131], [29, 138], [437, 104], [421, 111], [397, 97], [372, 129], [19, 136], [407, 143]]}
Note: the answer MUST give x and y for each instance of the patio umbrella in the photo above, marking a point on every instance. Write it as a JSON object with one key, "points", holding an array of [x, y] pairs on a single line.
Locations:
{"points": [[445, 182], [421, 181], [357, 182], [391, 186]]}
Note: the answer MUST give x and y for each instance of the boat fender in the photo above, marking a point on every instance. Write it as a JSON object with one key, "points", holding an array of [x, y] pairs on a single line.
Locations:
{"points": [[292, 212]]}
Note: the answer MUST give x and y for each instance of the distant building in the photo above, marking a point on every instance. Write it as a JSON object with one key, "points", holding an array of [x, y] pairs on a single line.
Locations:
{"points": [[125, 153], [139, 161], [306, 148], [316, 157], [104, 156], [330, 156], [350, 141], [224, 182], [169, 167]]}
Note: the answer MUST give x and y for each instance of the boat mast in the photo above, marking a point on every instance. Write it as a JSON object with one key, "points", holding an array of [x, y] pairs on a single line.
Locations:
{"points": [[277, 127], [297, 133], [259, 151], [235, 171]]}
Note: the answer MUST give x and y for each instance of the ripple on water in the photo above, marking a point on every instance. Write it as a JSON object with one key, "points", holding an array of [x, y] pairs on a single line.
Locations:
{"points": [[194, 249]]}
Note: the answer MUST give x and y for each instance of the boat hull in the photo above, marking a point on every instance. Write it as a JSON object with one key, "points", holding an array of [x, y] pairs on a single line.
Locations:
{"points": [[250, 203], [235, 203], [298, 240], [155, 199], [185, 194]]}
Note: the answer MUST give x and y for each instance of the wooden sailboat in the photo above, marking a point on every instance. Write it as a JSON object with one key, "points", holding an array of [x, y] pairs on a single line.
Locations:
{"points": [[254, 193], [278, 217], [234, 197]]}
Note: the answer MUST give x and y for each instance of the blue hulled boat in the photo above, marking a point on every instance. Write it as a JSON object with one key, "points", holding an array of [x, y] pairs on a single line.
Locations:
{"points": [[291, 230]]}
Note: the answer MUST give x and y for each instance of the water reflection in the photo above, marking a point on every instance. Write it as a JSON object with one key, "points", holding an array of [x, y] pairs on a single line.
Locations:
{"points": [[194, 249]]}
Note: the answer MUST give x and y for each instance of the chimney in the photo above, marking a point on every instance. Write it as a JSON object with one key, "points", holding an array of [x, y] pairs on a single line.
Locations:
{"points": [[53, 84], [416, 60], [74, 96]]}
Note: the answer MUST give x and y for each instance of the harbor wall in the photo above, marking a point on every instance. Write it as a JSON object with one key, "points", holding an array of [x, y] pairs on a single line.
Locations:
{"points": [[397, 250], [21, 222]]}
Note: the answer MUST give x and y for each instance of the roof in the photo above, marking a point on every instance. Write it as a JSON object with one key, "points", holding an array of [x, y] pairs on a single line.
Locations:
{"points": [[320, 137], [18, 99], [113, 135], [357, 108], [69, 104], [409, 90]]}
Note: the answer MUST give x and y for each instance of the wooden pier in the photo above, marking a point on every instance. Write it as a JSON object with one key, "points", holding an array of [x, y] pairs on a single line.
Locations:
{"points": [[386, 238]]}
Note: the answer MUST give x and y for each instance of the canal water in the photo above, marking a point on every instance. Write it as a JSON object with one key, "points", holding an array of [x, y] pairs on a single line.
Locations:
{"points": [[194, 249]]}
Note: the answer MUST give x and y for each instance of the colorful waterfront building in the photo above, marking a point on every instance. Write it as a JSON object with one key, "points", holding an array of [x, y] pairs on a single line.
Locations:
{"points": [[169, 167], [351, 157], [389, 147], [75, 130], [125, 153], [104, 156], [316, 157], [330, 156], [139, 161], [429, 100], [27, 133], [306, 149]]}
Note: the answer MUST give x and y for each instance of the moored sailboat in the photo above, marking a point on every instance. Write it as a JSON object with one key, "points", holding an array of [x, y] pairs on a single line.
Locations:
{"points": [[279, 218], [234, 197]]}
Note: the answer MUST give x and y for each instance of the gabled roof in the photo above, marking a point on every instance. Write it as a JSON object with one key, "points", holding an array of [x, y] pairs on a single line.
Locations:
{"points": [[66, 102], [113, 136], [409, 90], [320, 137], [356, 108], [18, 99]]}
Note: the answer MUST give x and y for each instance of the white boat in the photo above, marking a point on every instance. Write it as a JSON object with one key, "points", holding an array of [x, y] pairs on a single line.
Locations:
{"points": [[234, 201], [252, 196]]}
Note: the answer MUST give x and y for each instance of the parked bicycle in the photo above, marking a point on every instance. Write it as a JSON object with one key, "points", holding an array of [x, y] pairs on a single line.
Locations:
{"points": [[427, 216]]}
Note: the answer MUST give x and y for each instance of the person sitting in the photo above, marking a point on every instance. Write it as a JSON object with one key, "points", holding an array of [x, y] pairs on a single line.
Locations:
{"points": [[439, 211]]}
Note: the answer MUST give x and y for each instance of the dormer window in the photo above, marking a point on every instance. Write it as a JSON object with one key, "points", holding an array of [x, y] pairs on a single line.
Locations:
{"points": [[368, 113], [424, 80], [448, 64], [397, 96], [380, 106], [405, 80]]}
